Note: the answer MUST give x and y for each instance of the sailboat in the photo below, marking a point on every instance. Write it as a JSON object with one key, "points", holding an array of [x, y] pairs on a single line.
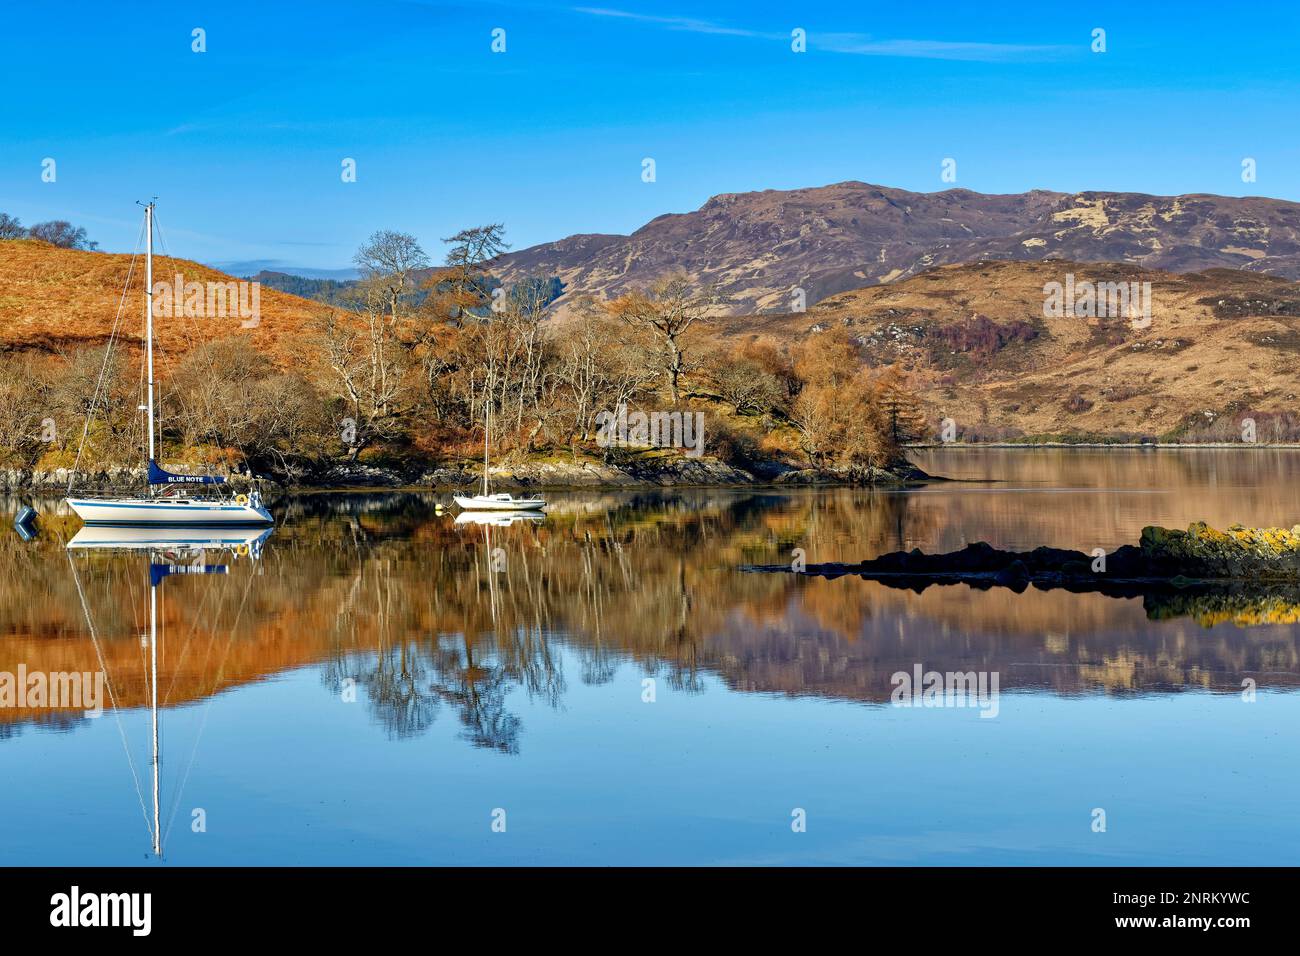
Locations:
{"points": [[173, 505], [500, 501]]}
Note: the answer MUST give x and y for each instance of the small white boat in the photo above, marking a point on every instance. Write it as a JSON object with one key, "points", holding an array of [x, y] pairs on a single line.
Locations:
{"points": [[498, 502]]}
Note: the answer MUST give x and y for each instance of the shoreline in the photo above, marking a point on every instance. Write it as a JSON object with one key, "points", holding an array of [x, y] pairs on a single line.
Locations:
{"points": [[587, 475], [678, 474], [1153, 446]]}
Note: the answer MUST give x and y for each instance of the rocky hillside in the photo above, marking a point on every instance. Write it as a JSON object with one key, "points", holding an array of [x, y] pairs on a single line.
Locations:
{"points": [[974, 341], [757, 247]]}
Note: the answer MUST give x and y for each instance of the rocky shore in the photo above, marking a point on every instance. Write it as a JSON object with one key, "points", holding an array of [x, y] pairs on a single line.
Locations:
{"points": [[631, 473], [1163, 557]]}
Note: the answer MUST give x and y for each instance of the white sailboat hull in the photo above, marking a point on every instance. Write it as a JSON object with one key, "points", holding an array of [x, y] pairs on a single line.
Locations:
{"points": [[498, 503], [163, 511]]}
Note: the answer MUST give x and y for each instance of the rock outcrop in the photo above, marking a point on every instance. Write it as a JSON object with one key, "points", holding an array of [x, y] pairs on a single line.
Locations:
{"points": [[1180, 559], [1203, 552]]}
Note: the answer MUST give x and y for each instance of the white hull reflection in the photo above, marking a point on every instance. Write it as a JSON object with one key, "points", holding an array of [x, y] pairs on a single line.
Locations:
{"points": [[498, 518], [171, 538], [501, 502]]}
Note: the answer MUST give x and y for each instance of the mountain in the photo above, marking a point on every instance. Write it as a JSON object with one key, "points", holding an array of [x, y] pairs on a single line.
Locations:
{"points": [[332, 291], [757, 247], [974, 342], [971, 337], [248, 268]]}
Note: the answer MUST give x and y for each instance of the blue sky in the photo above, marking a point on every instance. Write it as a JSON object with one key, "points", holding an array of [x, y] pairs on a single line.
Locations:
{"points": [[243, 143]]}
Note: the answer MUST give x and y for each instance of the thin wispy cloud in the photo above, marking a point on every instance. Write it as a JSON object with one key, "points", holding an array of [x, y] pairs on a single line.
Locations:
{"points": [[861, 44], [686, 24], [853, 44]]}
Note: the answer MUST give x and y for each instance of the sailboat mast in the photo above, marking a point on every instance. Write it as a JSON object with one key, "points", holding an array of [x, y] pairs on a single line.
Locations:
{"points": [[153, 666], [148, 317]]}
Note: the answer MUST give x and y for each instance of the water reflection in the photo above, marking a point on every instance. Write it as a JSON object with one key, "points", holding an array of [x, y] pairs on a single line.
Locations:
{"points": [[500, 519], [169, 552], [421, 614]]}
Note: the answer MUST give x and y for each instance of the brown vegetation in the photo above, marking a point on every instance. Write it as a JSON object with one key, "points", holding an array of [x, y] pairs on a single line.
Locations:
{"points": [[405, 373], [976, 347]]}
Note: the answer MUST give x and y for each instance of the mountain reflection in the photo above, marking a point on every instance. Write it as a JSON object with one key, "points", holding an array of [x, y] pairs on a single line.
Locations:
{"points": [[429, 619]]}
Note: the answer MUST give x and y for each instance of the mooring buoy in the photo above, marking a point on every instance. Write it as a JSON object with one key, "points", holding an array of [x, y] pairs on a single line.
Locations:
{"points": [[25, 522]]}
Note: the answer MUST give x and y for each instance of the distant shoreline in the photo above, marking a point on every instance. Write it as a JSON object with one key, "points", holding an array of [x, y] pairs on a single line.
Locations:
{"points": [[1171, 446]]}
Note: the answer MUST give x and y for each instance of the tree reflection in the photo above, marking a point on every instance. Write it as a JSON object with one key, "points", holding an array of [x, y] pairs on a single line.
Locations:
{"points": [[382, 589]]}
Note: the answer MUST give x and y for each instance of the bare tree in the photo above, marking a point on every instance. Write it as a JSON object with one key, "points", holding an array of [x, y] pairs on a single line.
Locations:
{"points": [[667, 310], [813, 414], [370, 367], [596, 368], [60, 232], [11, 228], [387, 260], [21, 409]]}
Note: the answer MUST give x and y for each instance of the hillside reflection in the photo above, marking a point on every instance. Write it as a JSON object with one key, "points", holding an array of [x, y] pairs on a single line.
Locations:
{"points": [[426, 619]]}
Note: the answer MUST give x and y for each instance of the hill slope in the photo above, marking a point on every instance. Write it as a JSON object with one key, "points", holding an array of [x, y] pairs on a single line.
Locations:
{"points": [[972, 338], [759, 246], [975, 342], [54, 298]]}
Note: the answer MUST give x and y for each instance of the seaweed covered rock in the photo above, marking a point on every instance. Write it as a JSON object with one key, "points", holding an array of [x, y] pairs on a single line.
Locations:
{"points": [[1239, 552]]}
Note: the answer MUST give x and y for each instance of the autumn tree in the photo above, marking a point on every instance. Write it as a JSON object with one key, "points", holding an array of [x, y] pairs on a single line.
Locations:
{"points": [[96, 394], [905, 419], [842, 411], [667, 311], [751, 378], [23, 387], [815, 416], [472, 251], [827, 358], [231, 396]]}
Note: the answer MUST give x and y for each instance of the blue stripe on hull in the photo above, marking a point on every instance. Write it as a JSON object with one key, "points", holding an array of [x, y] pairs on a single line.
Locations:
{"points": [[144, 507], [127, 523]]}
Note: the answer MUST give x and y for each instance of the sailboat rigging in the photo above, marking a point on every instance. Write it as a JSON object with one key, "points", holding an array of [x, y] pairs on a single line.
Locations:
{"points": [[174, 506], [175, 552], [500, 501]]}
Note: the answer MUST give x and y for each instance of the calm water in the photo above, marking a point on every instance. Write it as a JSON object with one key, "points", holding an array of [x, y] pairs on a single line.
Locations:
{"points": [[375, 683]]}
